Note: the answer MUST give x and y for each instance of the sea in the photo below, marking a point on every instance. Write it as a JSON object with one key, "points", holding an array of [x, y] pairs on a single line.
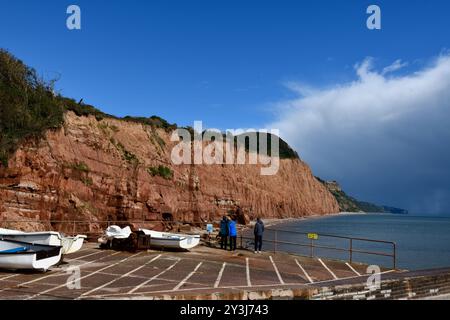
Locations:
{"points": [[422, 242]]}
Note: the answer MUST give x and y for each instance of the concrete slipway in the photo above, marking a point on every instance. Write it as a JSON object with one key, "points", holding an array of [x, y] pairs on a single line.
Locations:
{"points": [[208, 273]]}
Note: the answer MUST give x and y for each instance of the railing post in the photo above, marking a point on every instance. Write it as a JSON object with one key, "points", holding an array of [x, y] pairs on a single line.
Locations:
{"points": [[351, 250], [275, 242], [74, 226], [395, 255]]}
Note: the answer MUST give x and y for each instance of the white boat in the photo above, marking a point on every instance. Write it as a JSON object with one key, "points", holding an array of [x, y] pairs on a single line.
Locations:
{"points": [[157, 239], [72, 244], [16, 255], [49, 238], [114, 232], [171, 240]]}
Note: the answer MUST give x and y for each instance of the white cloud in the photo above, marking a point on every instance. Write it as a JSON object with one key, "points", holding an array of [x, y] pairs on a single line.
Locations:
{"points": [[397, 65], [386, 138]]}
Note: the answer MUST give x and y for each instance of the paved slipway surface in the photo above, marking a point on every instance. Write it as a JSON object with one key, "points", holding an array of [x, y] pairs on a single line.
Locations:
{"points": [[210, 273]]}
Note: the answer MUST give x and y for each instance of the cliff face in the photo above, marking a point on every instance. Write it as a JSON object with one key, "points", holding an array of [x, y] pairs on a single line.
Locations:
{"points": [[93, 170], [350, 204]]}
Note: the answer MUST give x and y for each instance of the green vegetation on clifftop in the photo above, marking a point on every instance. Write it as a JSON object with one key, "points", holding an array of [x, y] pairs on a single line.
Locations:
{"points": [[29, 107], [286, 152]]}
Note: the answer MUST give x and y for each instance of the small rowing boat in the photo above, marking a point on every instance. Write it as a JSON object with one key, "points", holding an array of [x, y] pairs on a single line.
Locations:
{"points": [[157, 239], [172, 240], [16, 255], [49, 238]]}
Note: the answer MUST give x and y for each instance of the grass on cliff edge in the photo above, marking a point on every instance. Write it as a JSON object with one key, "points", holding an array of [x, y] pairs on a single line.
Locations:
{"points": [[29, 107]]}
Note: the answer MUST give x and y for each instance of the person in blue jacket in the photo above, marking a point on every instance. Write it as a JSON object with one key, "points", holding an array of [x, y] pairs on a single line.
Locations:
{"points": [[224, 233], [258, 231], [232, 231]]}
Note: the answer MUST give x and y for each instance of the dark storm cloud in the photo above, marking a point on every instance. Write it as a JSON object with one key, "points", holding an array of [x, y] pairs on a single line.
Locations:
{"points": [[384, 137]]}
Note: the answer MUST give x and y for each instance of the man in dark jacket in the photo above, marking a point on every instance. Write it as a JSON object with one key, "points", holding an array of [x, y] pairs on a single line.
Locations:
{"points": [[223, 233], [258, 231]]}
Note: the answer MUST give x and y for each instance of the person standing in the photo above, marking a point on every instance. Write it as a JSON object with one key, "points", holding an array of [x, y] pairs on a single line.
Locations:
{"points": [[223, 233], [258, 231], [232, 231]]}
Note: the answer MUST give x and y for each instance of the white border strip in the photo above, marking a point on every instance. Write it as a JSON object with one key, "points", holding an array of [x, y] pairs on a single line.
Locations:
{"points": [[225, 287], [276, 270], [153, 278], [187, 278], [82, 257], [219, 277], [249, 283], [304, 271], [328, 269], [81, 278], [10, 276], [353, 269], [117, 279]]}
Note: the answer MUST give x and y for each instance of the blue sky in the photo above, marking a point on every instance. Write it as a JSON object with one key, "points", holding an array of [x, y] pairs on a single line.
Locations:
{"points": [[224, 61], [228, 63]]}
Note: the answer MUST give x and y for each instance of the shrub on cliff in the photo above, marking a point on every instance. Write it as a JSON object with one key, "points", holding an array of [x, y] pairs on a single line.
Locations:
{"points": [[285, 151], [28, 106], [81, 109], [153, 121], [77, 166], [161, 171]]}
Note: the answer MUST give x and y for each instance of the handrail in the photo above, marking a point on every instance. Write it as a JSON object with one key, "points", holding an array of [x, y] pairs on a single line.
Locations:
{"points": [[332, 236], [350, 249]]}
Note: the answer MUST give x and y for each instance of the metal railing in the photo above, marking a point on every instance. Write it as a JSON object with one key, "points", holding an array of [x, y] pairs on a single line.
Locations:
{"points": [[313, 244]]}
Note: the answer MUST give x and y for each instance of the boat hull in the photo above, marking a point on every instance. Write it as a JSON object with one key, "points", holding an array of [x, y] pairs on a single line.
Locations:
{"points": [[69, 244], [171, 240], [37, 257], [49, 239], [72, 244]]}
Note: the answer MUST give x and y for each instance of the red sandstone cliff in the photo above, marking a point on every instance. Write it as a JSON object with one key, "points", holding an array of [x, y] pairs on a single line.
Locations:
{"points": [[97, 170]]}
